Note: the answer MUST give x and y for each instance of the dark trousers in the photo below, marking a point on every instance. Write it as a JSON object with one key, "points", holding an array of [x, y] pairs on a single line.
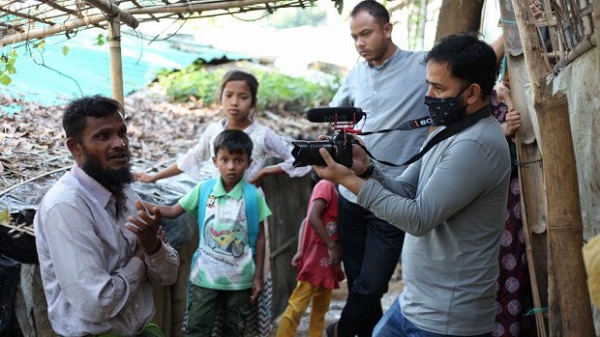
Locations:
{"points": [[370, 251], [204, 305]]}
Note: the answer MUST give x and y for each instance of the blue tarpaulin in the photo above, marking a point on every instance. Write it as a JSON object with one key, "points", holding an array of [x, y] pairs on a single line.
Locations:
{"points": [[50, 77]]}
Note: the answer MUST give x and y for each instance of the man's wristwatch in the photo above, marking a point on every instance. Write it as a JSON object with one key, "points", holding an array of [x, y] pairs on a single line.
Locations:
{"points": [[368, 172]]}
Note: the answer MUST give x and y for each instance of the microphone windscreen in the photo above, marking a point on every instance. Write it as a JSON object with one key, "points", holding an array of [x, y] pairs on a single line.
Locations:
{"points": [[328, 115]]}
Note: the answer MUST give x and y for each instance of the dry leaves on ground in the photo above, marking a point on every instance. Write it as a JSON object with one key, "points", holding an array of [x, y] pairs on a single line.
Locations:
{"points": [[32, 140]]}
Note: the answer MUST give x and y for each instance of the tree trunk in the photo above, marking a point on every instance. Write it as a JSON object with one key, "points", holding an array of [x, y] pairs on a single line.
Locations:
{"points": [[569, 301], [458, 16]]}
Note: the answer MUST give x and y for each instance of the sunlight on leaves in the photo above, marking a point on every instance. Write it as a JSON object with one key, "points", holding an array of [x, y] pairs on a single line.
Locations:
{"points": [[5, 216], [40, 45], [100, 40], [7, 67], [5, 79]]}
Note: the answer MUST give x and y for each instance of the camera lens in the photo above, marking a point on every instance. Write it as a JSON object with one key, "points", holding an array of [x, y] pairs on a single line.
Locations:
{"points": [[307, 152]]}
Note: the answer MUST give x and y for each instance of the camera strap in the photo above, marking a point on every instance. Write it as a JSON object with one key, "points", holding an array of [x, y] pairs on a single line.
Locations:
{"points": [[410, 125], [449, 131]]}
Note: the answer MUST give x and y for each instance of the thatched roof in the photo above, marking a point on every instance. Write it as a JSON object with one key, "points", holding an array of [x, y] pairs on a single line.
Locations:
{"points": [[22, 20]]}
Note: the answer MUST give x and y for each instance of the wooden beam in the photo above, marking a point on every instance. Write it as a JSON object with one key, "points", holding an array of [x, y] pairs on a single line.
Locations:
{"points": [[98, 18], [587, 43], [62, 8], [189, 8], [25, 16], [113, 10], [52, 30]]}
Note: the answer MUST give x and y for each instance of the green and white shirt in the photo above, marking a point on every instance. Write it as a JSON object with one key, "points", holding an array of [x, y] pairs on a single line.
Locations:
{"points": [[224, 258]]}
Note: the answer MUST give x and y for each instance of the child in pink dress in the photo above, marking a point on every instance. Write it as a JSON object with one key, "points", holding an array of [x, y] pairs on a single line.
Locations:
{"points": [[318, 263]]}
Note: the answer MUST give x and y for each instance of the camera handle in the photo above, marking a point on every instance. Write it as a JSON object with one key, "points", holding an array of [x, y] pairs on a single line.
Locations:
{"points": [[449, 131]]}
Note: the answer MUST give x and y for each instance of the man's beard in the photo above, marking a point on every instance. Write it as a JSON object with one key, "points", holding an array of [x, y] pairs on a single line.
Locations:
{"points": [[112, 180]]}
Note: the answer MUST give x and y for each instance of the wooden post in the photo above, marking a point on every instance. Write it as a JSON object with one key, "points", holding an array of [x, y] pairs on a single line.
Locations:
{"points": [[533, 195], [569, 301], [116, 69], [597, 24], [534, 212]]}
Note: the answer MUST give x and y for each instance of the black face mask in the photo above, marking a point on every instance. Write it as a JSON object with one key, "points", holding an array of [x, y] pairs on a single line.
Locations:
{"points": [[445, 111]]}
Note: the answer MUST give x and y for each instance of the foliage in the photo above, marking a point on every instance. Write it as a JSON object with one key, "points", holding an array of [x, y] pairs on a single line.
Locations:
{"points": [[309, 16], [101, 40], [276, 90], [5, 216], [7, 66], [8, 60]]}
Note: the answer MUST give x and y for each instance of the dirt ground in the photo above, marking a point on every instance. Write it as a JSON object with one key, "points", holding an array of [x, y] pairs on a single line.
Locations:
{"points": [[337, 303]]}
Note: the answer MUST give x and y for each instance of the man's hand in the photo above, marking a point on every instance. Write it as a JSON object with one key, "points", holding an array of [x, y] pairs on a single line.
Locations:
{"points": [[334, 171], [146, 228], [360, 159], [340, 174]]}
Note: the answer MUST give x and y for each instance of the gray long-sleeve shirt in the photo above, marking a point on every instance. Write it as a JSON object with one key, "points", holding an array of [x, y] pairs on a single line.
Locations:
{"points": [[451, 204], [390, 94]]}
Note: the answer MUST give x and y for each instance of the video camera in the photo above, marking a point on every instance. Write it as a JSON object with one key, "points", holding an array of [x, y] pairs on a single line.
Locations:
{"points": [[342, 120]]}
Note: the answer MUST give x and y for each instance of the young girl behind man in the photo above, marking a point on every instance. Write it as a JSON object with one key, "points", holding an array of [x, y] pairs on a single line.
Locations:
{"points": [[238, 100]]}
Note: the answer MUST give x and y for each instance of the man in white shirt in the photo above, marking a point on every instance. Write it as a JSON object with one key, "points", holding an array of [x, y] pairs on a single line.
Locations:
{"points": [[100, 251]]}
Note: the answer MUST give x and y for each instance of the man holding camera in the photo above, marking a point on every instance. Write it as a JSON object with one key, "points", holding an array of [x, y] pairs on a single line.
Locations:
{"points": [[450, 202], [388, 85]]}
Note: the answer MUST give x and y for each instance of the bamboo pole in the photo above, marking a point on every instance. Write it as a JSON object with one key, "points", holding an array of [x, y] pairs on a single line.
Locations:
{"points": [[21, 228], [533, 192], [116, 65], [570, 307], [534, 212]]}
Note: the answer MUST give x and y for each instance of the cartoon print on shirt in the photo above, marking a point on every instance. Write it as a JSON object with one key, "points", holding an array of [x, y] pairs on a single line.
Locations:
{"points": [[228, 241]]}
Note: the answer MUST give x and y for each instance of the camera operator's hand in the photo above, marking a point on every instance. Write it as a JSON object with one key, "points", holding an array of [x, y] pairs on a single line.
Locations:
{"points": [[360, 159], [338, 173]]}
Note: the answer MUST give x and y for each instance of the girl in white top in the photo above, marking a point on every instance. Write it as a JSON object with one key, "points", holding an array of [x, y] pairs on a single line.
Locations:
{"points": [[238, 96]]}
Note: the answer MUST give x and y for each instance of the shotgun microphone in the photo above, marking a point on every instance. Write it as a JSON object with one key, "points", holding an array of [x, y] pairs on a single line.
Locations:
{"points": [[337, 114]]}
